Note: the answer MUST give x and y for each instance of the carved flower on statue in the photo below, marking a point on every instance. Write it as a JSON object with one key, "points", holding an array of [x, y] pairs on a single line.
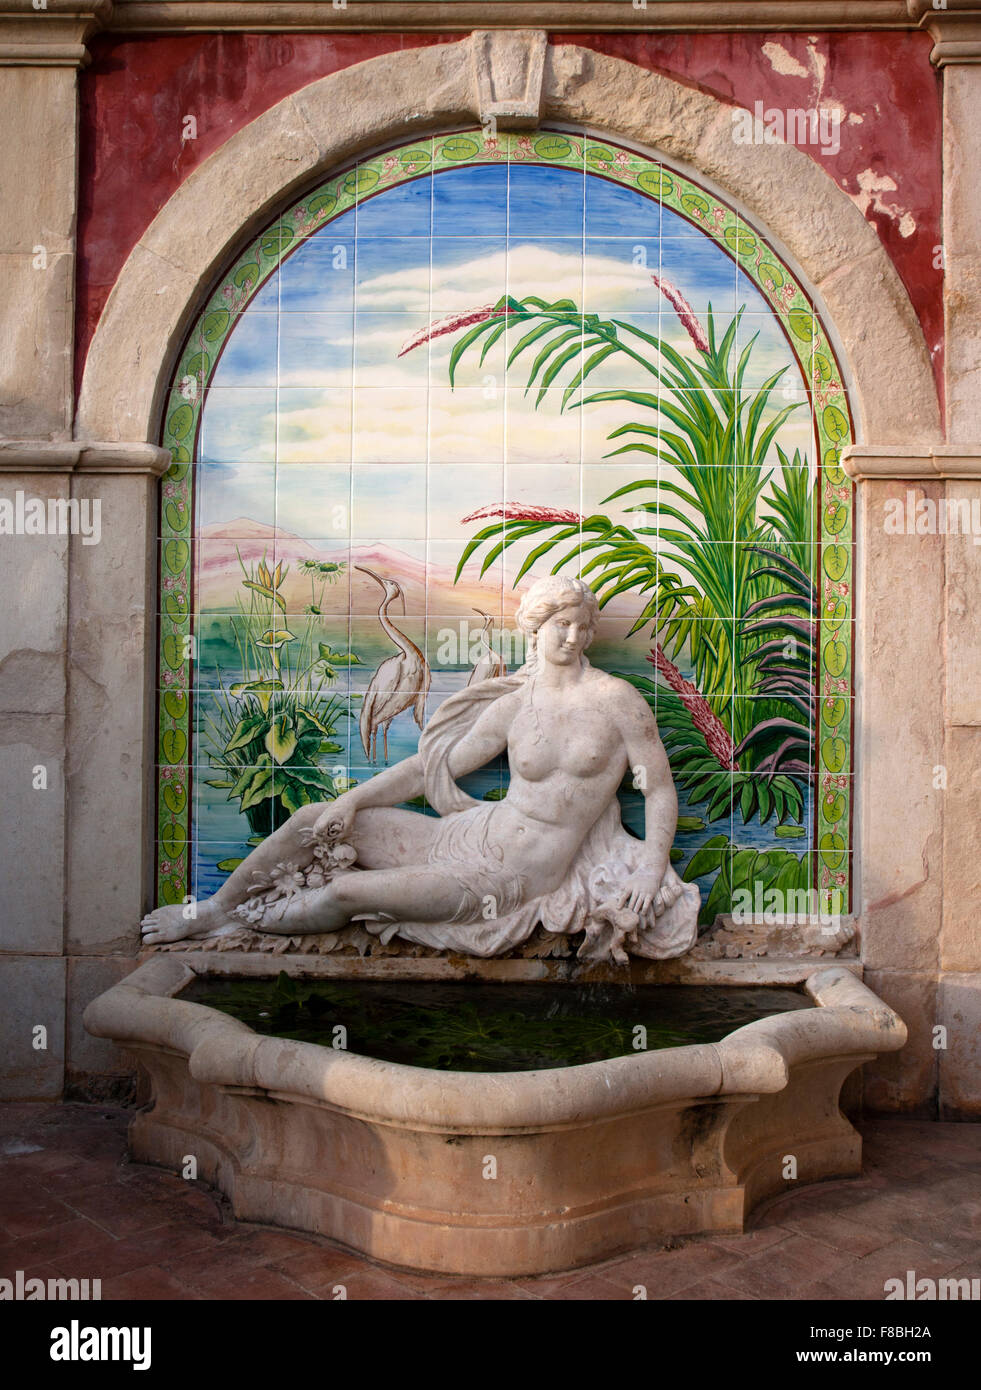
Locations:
{"points": [[286, 879], [315, 877], [339, 857], [252, 911]]}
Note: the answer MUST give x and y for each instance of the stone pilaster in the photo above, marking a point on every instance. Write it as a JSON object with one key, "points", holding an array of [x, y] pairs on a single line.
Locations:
{"points": [[77, 540]]}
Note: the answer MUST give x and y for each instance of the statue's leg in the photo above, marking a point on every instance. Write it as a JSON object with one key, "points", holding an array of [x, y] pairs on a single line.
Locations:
{"points": [[408, 893], [382, 838], [285, 845], [385, 838]]}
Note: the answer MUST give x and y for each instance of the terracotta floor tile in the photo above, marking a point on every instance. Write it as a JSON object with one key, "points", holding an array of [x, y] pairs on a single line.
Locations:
{"points": [[591, 1288], [752, 1241], [865, 1278], [257, 1282], [781, 1271], [150, 1282], [63, 1239], [109, 1208], [372, 1284], [551, 1285], [32, 1211], [835, 1197], [711, 1291], [936, 1227], [480, 1291], [265, 1245], [421, 1283], [665, 1273], [78, 1177], [320, 1270], [839, 1230]]}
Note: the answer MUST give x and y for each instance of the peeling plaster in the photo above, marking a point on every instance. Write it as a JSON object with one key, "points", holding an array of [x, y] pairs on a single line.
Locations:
{"points": [[872, 186], [783, 62]]}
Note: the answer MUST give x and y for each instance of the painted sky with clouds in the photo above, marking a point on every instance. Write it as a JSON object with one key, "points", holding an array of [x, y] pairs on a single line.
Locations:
{"points": [[311, 398]]}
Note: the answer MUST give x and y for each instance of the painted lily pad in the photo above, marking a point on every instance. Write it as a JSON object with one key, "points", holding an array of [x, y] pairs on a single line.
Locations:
{"points": [[833, 849], [172, 649], [214, 325], [835, 657], [180, 421], [175, 703], [173, 839], [553, 147], [834, 710], [656, 182], [835, 561], [834, 751], [173, 745], [459, 147], [172, 891], [176, 555]]}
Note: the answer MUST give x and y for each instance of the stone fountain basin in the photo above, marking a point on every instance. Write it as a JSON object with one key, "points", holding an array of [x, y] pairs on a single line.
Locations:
{"points": [[496, 1173]]}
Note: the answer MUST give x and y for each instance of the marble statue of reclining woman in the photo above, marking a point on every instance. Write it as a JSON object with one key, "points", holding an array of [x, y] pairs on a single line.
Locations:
{"points": [[480, 877]]}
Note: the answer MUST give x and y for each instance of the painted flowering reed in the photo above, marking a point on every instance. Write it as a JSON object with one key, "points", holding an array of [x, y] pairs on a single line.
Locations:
{"points": [[716, 735], [684, 311], [525, 511], [454, 321]]}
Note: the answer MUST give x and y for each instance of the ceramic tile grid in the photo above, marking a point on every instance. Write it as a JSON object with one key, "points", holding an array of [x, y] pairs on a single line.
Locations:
{"points": [[366, 387]]}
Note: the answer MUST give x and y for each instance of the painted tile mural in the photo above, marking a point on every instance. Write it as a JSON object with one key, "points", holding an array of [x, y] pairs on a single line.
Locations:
{"points": [[450, 369]]}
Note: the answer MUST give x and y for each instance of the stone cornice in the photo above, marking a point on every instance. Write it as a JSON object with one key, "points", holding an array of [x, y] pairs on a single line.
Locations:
{"points": [[33, 456], [51, 34], [954, 26], [557, 16], [912, 463]]}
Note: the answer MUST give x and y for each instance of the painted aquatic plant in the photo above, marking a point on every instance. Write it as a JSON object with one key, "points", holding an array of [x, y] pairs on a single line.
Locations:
{"points": [[268, 733]]}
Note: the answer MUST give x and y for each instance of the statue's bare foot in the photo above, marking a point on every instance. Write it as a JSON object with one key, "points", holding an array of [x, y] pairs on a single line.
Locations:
{"points": [[166, 924]]}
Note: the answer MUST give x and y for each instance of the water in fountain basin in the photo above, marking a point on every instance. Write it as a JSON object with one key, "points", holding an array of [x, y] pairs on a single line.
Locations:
{"points": [[475, 1026]]}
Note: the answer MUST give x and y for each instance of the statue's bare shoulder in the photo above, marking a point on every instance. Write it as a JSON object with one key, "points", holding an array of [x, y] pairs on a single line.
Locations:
{"points": [[626, 706]]}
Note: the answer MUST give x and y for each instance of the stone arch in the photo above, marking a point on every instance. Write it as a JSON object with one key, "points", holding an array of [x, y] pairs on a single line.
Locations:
{"points": [[173, 266]]}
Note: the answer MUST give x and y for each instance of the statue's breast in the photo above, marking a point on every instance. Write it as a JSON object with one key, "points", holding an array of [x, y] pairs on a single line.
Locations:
{"points": [[543, 743]]}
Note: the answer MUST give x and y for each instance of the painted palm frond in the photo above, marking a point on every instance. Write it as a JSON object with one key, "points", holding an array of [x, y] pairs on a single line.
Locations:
{"points": [[719, 554]]}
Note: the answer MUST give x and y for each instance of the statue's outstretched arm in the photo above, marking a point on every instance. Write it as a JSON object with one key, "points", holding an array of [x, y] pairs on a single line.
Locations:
{"points": [[403, 782]]}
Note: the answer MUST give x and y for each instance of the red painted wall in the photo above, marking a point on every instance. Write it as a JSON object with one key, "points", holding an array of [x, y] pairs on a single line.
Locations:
{"points": [[136, 93], [886, 84]]}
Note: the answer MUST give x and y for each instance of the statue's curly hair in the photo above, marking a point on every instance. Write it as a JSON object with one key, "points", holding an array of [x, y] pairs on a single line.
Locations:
{"points": [[544, 599], [548, 595]]}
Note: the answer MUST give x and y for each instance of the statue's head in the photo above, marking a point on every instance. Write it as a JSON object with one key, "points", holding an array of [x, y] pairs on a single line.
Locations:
{"points": [[555, 603]]}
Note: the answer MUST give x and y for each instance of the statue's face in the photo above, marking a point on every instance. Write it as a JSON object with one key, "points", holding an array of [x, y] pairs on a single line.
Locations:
{"points": [[565, 635]]}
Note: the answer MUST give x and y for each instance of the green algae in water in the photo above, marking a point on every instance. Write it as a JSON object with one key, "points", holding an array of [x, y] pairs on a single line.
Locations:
{"points": [[488, 1027]]}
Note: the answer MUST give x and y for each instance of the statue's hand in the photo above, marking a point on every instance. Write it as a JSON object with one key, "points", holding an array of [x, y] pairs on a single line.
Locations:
{"points": [[639, 891], [645, 889], [336, 822]]}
